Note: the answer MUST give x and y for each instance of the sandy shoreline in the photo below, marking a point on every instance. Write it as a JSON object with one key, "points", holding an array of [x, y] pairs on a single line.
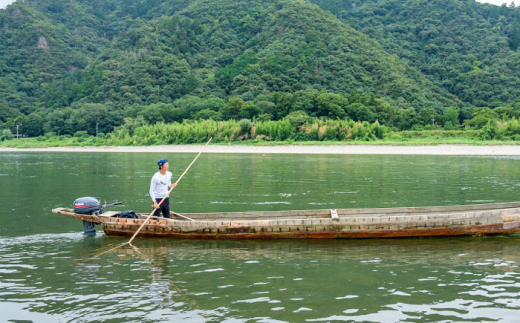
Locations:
{"points": [[447, 150]]}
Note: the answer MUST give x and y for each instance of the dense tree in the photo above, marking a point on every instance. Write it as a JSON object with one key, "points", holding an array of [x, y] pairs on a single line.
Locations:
{"points": [[249, 111], [59, 122], [331, 105], [207, 114], [514, 35], [189, 105], [515, 110], [451, 114], [232, 108], [151, 114], [360, 112], [404, 118], [169, 113], [6, 112], [91, 116], [426, 116], [6, 134], [481, 117], [33, 126]]}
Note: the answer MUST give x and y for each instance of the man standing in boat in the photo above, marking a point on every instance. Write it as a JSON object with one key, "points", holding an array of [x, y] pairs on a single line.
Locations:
{"points": [[161, 181]]}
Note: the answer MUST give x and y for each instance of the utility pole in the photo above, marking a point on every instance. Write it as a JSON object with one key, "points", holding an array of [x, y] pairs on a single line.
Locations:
{"points": [[97, 124], [433, 121], [17, 135]]}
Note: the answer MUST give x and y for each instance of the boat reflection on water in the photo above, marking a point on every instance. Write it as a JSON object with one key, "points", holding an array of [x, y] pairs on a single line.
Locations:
{"points": [[204, 275], [285, 280], [301, 248]]}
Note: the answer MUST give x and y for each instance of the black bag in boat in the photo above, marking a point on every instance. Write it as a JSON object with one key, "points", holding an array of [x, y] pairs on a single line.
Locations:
{"points": [[126, 215]]}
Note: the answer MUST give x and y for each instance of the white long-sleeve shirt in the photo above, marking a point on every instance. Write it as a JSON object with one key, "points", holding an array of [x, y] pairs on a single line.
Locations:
{"points": [[159, 185]]}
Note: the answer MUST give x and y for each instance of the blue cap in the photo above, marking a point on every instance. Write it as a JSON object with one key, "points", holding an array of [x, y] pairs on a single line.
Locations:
{"points": [[161, 162]]}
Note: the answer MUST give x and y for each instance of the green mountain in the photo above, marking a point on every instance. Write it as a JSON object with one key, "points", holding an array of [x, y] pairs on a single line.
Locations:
{"points": [[73, 63], [46, 41], [36, 50], [234, 48], [468, 48]]}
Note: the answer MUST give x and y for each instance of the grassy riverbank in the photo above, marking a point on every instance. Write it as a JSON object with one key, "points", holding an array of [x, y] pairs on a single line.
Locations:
{"points": [[420, 140]]}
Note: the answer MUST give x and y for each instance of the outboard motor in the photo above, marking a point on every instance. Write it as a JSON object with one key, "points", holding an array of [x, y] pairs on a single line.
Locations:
{"points": [[87, 205], [90, 205]]}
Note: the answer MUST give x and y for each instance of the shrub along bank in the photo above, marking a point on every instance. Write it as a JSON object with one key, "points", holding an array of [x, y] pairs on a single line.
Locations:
{"points": [[296, 129], [293, 129]]}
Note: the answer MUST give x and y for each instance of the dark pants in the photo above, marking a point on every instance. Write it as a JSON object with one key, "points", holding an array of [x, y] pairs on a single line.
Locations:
{"points": [[164, 208]]}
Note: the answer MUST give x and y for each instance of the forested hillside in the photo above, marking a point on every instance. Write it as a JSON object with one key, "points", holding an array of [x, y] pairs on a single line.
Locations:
{"points": [[468, 48], [69, 65]]}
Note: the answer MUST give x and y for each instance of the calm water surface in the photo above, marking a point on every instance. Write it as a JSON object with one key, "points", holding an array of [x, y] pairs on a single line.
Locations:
{"points": [[49, 272]]}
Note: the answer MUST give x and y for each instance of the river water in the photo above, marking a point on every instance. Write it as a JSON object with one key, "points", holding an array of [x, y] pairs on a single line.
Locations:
{"points": [[49, 272]]}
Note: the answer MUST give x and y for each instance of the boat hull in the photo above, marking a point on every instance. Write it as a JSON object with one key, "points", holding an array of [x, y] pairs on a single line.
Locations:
{"points": [[365, 234], [322, 232], [471, 220]]}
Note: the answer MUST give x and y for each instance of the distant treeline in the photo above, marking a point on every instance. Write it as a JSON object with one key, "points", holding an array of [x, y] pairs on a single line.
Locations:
{"points": [[301, 116], [95, 118]]}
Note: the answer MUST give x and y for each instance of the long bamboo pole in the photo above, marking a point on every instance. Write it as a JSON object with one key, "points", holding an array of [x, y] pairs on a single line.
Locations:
{"points": [[178, 180], [142, 225]]}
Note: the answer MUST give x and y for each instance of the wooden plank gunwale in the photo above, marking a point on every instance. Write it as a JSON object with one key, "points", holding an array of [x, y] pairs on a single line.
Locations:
{"points": [[69, 213], [350, 212]]}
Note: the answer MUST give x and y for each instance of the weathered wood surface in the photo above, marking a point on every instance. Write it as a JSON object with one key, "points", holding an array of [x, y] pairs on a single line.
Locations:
{"points": [[486, 219], [70, 213]]}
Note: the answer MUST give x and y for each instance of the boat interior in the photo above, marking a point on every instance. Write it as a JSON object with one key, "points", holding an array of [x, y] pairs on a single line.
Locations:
{"points": [[325, 213]]}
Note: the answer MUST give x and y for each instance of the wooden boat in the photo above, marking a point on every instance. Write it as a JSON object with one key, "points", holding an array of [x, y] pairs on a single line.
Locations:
{"points": [[460, 220]]}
